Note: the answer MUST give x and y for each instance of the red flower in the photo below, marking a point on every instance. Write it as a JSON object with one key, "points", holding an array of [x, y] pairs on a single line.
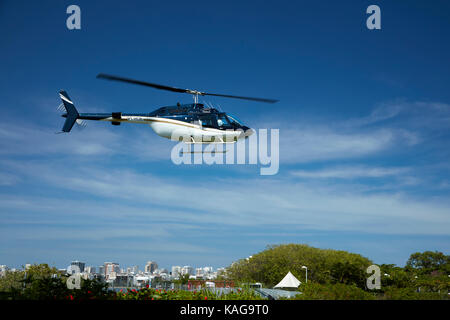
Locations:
{"points": [[206, 298], [147, 286], [71, 297]]}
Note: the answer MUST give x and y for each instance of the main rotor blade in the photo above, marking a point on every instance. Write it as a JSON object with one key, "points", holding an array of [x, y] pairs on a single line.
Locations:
{"points": [[239, 97], [179, 90], [142, 83]]}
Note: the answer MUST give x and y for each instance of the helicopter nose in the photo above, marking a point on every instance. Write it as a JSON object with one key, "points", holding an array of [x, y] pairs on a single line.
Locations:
{"points": [[247, 131]]}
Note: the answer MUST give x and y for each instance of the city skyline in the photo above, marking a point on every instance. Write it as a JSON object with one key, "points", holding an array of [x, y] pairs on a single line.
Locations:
{"points": [[124, 276], [126, 267]]}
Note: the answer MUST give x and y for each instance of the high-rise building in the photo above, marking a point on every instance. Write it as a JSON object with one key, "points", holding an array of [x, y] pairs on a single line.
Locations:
{"points": [[207, 269], [199, 272], [187, 270], [132, 270], [176, 271], [150, 267], [161, 271], [76, 267], [101, 270], [111, 267], [79, 264], [90, 270]]}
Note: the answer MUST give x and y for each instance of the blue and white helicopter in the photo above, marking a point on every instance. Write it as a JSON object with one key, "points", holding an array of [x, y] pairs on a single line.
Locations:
{"points": [[190, 123]]}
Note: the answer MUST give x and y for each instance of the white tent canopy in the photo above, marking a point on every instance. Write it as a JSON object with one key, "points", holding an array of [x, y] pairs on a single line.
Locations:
{"points": [[289, 281]]}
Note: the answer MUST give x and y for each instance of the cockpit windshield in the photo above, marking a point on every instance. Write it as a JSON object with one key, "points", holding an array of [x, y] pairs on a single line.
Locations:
{"points": [[234, 119], [219, 121]]}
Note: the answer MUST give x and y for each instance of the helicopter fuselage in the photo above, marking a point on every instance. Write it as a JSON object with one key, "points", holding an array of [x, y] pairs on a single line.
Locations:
{"points": [[190, 123]]}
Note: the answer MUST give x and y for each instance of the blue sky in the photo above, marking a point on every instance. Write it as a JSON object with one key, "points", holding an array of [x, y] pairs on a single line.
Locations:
{"points": [[363, 116]]}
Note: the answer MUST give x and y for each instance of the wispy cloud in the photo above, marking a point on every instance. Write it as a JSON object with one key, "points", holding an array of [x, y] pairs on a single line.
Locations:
{"points": [[408, 115], [306, 144], [393, 126], [7, 179], [352, 172], [74, 188], [390, 126], [97, 140], [247, 202]]}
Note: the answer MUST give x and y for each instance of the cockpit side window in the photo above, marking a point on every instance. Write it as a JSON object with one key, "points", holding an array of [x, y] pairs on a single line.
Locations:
{"points": [[223, 122], [208, 121]]}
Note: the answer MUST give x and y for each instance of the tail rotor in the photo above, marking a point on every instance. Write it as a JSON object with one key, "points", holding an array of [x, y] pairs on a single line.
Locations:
{"points": [[81, 123]]}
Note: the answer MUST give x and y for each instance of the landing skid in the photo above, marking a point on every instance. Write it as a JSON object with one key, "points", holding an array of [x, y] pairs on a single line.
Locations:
{"points": [[221, 141], [203, 151]]}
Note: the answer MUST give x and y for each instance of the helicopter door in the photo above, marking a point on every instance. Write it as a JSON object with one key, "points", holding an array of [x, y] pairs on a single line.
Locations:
{"points": [[208, 120]]}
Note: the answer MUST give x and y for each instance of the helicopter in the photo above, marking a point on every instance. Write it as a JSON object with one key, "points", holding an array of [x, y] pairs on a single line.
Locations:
{"points": [[190, 123]]}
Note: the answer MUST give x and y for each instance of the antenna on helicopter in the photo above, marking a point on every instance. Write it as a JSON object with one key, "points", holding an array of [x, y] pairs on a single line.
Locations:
{"points": [[195, 93]]}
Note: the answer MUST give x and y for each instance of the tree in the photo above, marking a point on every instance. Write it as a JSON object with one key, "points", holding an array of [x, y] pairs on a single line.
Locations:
{"points": [[393, 276], [12, 280], [41, 282], [429, 261], [183, 279], [324, 265], [348, 273], [20, 278], [337, 291]]}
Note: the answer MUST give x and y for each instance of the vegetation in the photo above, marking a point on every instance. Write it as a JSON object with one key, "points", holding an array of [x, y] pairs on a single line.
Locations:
{"points": [[41, 282], [324, 266], [428, 262], [182, 279], [204, 294], [332, 275], [340, 275], [338, 291]]}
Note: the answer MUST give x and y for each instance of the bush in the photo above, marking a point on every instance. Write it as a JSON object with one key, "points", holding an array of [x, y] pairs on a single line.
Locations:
{"points": [[337, 291], [204, 294], [411, 294]]}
